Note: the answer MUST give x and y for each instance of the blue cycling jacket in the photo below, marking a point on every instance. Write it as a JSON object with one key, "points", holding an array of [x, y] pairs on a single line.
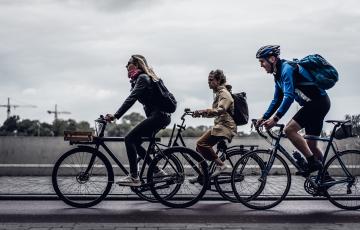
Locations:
{"points": [[288, 87]]}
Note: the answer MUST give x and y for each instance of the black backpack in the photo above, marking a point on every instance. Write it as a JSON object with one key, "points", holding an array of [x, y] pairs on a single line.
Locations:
{"points": [[164, 100], [241, 110]]}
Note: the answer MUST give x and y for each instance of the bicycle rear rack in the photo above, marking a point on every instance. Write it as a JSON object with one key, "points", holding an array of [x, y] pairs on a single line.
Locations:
{"points": [[75, 136]]}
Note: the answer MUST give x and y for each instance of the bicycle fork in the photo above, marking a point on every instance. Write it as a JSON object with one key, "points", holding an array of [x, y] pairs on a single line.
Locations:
{"points": [[268, 165]]}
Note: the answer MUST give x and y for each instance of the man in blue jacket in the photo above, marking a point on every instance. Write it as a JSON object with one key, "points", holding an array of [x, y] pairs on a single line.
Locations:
{"points": [[294, 83]]}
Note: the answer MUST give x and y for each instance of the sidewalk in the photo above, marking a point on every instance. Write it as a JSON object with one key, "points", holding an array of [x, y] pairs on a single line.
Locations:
{"points": [[31, 186]]}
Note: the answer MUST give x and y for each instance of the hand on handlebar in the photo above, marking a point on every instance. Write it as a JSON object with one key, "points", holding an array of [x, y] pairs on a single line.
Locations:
{"points": [[259, 122], [269, 123], [199, 113]]}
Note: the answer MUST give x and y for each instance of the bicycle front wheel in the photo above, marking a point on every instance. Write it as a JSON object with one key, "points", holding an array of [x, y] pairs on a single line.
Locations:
{"points": [[344, 188], [82, 177], [191, 166], [261, 188]]}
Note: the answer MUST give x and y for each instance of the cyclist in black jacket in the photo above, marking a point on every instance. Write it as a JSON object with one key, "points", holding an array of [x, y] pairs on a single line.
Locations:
{"points": [[141, 77]]}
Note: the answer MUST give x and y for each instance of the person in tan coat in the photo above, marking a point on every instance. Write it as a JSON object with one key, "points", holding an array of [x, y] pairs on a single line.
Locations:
{"points": [[224, 125]]}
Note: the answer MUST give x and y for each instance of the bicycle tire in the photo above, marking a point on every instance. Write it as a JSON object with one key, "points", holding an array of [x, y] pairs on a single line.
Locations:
{"points": [[222, 182], [187, 195], [263, 195], [144, 192], [338, 193], [76, 187]]}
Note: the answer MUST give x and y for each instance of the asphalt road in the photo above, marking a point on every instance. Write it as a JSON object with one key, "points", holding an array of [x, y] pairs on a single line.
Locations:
{"points": [[203, 212]]}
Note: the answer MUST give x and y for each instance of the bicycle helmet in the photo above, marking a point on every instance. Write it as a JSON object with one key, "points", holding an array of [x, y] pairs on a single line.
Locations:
{"points": [[267, 51]]}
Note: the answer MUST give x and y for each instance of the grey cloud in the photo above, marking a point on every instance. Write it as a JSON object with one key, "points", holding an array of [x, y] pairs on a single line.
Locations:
{"points": [[112, 6]]}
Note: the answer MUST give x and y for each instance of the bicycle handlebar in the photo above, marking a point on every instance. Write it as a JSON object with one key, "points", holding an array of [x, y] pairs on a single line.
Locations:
{"points": [[187, 112], [253, 124], [268, 131], [101, 120]]}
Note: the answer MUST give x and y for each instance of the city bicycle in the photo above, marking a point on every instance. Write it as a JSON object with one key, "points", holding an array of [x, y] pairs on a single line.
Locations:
{"points": [[230, 155], [267, 179], [83, 176]]}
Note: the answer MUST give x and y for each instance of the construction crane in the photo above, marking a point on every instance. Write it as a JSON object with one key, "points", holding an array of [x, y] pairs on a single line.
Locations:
{"points": [[9, 106], [56, 112]]}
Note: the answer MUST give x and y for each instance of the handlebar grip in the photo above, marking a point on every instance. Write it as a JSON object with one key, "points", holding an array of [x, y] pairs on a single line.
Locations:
{"points": [[254, 121]]}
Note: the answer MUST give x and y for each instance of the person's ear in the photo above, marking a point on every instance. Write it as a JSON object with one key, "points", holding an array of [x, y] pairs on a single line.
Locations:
{"points": [[272, 59]]}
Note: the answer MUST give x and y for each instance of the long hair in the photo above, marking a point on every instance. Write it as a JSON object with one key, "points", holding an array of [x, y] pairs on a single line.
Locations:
{"points": [[143, 65]]}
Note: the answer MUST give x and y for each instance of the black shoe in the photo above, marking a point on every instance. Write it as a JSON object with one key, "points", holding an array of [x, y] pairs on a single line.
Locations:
{"points": [[327, 178], [314, 166]]}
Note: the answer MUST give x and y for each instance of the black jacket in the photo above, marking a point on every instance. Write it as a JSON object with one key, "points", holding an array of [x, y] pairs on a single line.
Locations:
{"points": [[143, 91]]}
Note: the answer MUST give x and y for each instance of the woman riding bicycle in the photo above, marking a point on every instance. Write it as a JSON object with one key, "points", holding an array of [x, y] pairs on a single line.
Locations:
{"points": [[141, 77], [224, 125]]}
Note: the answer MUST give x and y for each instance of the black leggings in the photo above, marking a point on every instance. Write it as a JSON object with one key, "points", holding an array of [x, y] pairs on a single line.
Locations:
{"points": [[146, 128]]}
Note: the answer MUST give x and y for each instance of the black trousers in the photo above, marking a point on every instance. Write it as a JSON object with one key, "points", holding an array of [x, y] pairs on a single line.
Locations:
{"points": [[146, 128]]}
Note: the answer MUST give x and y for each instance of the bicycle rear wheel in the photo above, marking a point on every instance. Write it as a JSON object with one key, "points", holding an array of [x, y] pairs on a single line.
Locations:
{"points": [[177, 177], [256, 190], [222, 182], [344, 190], [82, 177]]}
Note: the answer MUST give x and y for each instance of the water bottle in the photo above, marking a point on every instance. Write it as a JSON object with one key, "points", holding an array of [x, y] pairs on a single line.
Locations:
{"points": [[300, 160]]}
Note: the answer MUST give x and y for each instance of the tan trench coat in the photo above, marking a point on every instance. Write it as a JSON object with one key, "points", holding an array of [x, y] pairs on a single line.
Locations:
{"points": [[223, 105]]}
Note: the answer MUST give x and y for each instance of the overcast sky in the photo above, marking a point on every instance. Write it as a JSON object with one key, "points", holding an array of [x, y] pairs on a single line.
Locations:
{"points": [[73, 52]]}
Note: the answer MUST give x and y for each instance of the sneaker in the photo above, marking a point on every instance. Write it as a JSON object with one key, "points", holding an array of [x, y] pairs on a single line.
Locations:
{"points": [[327, 178], [129, 181], [218, 170], [314, 166], [194, 180]]}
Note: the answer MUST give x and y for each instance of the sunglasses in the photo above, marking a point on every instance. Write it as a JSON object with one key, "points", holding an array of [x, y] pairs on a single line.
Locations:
{"points": [[129, 63]]}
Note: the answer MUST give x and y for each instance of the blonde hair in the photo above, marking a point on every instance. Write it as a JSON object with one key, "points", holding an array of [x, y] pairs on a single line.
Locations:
{"points": [[143, 65]]}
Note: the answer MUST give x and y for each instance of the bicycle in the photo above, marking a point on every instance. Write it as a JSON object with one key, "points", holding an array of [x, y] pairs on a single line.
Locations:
{"points": [[83, 176], [230, 155], [267, 177]]}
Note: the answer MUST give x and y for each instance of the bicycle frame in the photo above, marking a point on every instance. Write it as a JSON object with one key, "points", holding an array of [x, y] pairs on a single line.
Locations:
{"points": [[319, 178], [99, 141]]}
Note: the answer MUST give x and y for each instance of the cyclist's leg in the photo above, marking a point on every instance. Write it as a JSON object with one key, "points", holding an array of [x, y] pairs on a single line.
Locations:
{"points": [[291, 130], [204, 146], [299, 121], [145, 129], [314, 127], [313, 145], [310, 117]]}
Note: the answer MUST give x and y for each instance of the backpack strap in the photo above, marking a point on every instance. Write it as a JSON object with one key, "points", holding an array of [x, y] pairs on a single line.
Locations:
{"points": [[295, 64]]}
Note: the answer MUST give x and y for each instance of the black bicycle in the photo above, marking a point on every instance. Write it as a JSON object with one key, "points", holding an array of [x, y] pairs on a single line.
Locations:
{"points": [[267, 177], [230, 155], [83, 176]]}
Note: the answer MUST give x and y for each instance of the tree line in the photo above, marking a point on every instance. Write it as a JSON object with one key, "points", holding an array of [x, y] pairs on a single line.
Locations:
{"points": [[14, 126]]}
